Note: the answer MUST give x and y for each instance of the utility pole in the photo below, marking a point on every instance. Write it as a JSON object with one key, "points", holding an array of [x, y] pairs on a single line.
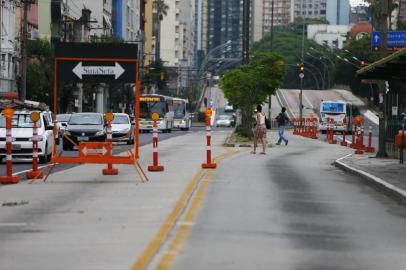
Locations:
{"points": [[382, 86], [246, 31], [271, 47], [24, 38], [302, 61]]}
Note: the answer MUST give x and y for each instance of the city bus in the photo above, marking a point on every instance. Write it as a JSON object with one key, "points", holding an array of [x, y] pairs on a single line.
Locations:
{"points": [[182, 119], [341, 112], [163, 105]]}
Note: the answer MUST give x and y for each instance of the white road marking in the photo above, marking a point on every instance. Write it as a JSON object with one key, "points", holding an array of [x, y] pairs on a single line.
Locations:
{"points": [[308, 101], [287, 104]]}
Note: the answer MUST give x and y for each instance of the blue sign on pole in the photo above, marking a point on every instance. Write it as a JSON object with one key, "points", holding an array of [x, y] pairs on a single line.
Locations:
{"points": [[376, 38], [394, 39]]}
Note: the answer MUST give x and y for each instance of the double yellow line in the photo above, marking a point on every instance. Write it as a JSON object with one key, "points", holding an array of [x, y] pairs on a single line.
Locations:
{"points": [[196, 187]]}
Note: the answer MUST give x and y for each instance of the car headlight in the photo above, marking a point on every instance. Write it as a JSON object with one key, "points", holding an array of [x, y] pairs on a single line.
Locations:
{"points": [[100, 133]]}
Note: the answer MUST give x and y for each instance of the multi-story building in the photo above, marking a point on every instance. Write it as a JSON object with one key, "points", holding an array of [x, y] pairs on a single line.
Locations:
{"points": [[315, 9], [282, 13], [177, 41], [225, 24], [126, 20], [338, 12], [334, 36], [8, 48]]}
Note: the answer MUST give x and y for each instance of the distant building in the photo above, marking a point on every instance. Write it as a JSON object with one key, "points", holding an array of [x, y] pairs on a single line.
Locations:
{"points": [[338, 12], [8, 48], [126, 19], [359, 14], [314, 9], [334, 36]]}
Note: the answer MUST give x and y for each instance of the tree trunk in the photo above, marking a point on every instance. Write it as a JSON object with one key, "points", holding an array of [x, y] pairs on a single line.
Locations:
{"points": [[246, 121]]}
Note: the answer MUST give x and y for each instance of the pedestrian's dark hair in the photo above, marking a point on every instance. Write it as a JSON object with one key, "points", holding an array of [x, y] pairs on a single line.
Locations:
{"points": [[259, 108], [283, 109]]}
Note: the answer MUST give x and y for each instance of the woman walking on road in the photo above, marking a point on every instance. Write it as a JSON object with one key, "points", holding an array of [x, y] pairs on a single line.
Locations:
{"points": [[259, 130]]}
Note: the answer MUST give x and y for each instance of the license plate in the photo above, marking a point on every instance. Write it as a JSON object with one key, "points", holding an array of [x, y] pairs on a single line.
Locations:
{"points": [[16, 147], [83, 139]]}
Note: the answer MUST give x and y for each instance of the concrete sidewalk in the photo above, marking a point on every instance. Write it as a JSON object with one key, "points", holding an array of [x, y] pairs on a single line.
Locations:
{"points": [[385, 174]]}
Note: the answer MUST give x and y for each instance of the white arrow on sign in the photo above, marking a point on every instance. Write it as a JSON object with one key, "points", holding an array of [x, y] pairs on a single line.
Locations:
{"points": [[102, 151], [115, 71], [376, 37]]}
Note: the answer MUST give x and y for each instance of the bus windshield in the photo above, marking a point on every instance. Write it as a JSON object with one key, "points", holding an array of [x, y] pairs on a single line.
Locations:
{"points": [[180, 110], [147, 108], [332, 107]]}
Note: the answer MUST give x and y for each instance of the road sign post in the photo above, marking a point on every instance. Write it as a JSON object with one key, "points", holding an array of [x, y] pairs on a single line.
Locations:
{"points": [[35, 173], [8, 113], [155, 167], [98, 63]]}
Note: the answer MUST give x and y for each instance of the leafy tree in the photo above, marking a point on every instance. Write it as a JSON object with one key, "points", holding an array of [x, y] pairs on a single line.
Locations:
{"points": [[252, 83], [40, 71], [155, 75]]}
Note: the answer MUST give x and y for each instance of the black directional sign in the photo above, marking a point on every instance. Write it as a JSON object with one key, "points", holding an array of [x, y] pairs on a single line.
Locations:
{"points": [[96, 62]]}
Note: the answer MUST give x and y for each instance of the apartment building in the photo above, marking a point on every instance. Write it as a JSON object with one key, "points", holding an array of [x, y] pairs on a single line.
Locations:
{"points": [[126, 20]]}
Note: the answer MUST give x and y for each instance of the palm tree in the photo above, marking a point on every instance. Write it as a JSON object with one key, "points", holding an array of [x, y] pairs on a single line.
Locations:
{"points": [[161, 9]]}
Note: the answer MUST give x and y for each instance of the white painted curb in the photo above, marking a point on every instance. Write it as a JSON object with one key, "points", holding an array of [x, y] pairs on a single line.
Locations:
{"points": [[392, 190]]}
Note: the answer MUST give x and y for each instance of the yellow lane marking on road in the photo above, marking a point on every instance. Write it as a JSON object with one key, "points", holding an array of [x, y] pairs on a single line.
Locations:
{"points": [[185, 227], [153, 247]]}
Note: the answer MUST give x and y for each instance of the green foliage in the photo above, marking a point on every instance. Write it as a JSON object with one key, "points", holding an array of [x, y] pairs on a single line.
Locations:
{"points": [[156, 75], [288, 43], [252, 83], [40, 71]]}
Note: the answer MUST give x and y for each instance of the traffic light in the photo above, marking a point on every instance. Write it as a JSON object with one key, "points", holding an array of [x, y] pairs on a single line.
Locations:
{"points": [[362, 62], [301, 70]]}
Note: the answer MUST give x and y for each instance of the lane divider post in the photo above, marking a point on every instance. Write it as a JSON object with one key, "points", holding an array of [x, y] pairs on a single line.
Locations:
{"points": [[109, 138], [35, 173], [155, 167], [209, 163], [9, 178], [370, 148]]}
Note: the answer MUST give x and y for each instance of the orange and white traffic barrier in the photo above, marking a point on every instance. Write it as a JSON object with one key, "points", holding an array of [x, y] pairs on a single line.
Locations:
{"points": [[358, 146], [352, 145], [331, 139], [109, 139], [209, 163], [295, 126], [155, 167], [344, 141], [370, 148], [9, 178], [35, 173]]}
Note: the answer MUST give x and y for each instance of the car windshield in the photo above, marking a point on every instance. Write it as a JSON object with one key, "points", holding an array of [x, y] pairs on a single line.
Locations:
{"points": [[19, 121], [85, 119], [224, 117], [332, 107], [120, 119], [63, 117]]}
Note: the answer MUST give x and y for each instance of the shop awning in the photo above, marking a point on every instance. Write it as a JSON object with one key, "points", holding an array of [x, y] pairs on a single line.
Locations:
{"points": [[392, 67]]}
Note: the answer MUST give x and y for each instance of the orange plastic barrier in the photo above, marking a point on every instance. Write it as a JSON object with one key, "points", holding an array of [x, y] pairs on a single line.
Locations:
{"points": [[370, 148], [155, 167], [209, 163], [9, 178], [359, 144], [35, 173]]}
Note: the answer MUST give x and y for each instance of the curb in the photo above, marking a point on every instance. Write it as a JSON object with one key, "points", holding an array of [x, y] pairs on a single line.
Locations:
{"points": [[394, 192]]}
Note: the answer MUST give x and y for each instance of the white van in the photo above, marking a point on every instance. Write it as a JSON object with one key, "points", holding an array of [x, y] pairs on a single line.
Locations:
{"points": [[22, 136]]}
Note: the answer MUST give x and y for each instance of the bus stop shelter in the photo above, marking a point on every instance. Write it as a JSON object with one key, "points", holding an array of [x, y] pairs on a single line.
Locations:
{"points": [[391, 69]]}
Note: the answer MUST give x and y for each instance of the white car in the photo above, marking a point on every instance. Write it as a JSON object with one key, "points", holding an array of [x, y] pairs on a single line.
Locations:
{"points": [[22, 136], [224, 120], [122, 128]]}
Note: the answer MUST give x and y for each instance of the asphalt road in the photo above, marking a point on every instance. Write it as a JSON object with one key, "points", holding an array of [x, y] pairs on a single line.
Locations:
{"points": [[291, 209], [20, 166]]}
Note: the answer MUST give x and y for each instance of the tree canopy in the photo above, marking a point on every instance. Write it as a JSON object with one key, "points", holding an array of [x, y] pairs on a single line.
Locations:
{"points": [[252, 83]]}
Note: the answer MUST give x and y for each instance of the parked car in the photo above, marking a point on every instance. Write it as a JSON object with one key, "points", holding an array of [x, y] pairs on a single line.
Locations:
{"points": [[84, 127], [224, 120], [22, 135], [123, 130], [62, 121]]}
